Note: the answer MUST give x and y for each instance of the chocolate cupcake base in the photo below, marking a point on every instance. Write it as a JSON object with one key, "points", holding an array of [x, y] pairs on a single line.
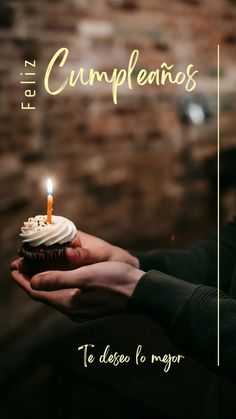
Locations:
{"points": [[44, 258]]}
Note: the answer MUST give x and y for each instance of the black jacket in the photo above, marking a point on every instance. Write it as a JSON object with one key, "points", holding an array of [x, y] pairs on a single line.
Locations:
{"points": [[180, 291]]}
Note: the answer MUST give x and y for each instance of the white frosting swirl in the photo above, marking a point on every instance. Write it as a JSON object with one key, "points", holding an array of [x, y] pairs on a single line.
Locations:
{"points": [[37, 231]]}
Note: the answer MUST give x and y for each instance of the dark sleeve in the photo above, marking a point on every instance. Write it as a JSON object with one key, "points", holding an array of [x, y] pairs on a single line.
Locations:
{"points": [[198, 263], [189, 314]]}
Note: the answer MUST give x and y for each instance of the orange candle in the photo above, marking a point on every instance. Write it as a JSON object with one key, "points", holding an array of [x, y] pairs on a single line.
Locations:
{"points": [[49, 202]]}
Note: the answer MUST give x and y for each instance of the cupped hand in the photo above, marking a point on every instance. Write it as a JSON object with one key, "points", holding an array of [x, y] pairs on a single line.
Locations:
{"points": [[86, 250], [84, 293]]}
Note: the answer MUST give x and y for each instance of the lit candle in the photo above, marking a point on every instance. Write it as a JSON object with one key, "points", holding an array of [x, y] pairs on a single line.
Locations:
{"points": [[49, 202]]}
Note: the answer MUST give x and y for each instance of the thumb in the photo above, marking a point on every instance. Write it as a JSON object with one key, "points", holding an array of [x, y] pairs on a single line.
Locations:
{"points": [[56, 280], [78, 256]]}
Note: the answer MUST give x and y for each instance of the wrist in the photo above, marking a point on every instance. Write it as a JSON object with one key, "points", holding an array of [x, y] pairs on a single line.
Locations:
{"points": [[134, 276], [121, 255]]}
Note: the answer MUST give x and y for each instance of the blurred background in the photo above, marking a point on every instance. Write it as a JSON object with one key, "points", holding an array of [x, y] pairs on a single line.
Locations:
{"points": [[141, 174]]}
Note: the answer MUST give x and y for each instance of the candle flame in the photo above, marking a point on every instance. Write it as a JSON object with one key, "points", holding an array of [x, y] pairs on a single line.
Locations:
{"points": [[49, 186]]}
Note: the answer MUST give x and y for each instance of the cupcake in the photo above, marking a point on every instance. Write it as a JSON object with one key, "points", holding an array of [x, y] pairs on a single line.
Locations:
{"points": [[44, 244]]}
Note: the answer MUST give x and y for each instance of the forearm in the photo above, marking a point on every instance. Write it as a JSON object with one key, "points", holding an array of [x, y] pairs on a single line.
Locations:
{"points": [[189, 314], [196, 264]]}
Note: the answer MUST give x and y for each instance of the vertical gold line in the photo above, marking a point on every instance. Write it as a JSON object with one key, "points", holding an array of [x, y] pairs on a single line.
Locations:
{"points": [[218, 205]]}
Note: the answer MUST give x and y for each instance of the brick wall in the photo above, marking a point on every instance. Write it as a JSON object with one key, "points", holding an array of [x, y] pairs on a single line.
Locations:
{"points": [[139, 173]]}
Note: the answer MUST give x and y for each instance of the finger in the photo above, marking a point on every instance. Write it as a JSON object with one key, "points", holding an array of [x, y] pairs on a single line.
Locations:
{"points": [[55, 280], [59, 299], [78, 256], [83, 278], [77, 241], [16, 264], [21, 266], [24, 282], [78, 278], [81, 239]]}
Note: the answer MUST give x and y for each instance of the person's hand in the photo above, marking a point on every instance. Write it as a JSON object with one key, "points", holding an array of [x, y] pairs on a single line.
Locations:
{"points": [[86, 250], [84, 293]]}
